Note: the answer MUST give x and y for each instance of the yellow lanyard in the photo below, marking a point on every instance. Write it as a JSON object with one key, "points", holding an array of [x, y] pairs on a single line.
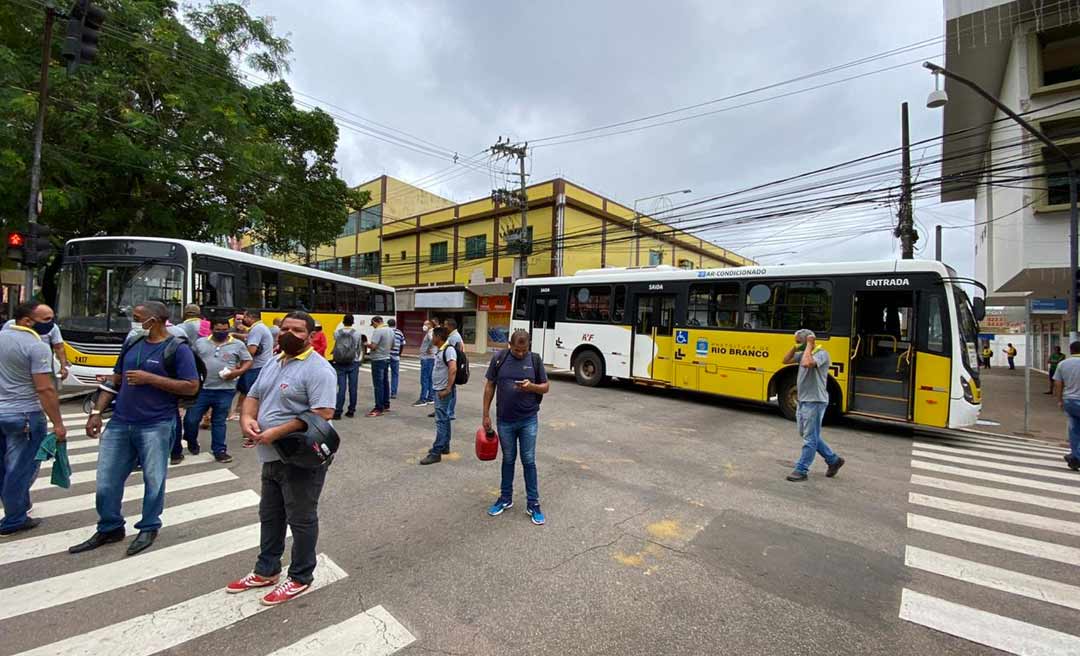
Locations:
{"points": [[27, 330]]}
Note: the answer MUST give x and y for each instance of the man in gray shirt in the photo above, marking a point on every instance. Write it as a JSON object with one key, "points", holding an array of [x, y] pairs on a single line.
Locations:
{"points": [[813, 397], [297, 381], [427, 364], [260, 344], [379, 347], [1067, 391], [26, 381], [443, 377], [55, 341], [189, 329], [226, 359]]}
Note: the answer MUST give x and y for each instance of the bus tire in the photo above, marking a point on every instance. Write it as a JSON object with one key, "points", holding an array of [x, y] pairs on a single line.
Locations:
{"points": [[787, 397], [589, 369]]}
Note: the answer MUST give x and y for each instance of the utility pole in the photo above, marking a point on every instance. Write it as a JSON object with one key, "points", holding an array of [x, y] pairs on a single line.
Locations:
{"points": [[905, 227], [937, 242], [33, 207], [505, 149]]}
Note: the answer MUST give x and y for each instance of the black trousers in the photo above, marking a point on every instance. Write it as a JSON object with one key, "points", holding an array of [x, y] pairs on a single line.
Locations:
{"points": [[290, 498]]}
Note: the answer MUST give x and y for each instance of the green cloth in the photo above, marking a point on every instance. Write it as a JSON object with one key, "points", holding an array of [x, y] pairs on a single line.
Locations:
{"points": [[1055, 360], [61, 471]]}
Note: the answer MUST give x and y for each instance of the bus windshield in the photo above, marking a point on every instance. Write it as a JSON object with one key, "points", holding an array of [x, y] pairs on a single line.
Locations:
{"points": [[968, 329], [99, 296]]}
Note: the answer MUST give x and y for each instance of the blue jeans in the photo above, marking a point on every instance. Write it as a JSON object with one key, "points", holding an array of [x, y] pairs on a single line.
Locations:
{"points": [[21, 434], [347, 377], [453, 405], [178, 429], [244, 382], [120, 445], [427, 366], [1072, 409], [395, 374], [219, 402], [442, 422], [515, 435], [809, 416], [379, 380]]}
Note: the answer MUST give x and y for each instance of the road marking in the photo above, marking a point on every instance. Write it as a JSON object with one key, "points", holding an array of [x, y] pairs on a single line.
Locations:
{"points": [[1067, 474], [66, 588], [1033, 446], [1052, 503], [169, 627], [1025, 585], [1045, 461], [971, 447], [78, 459], [79, 445], [372, 633], [54, 543], [996, 539], [985, 628], [998, 478], [89, 476], [997, 514], [65, 505]]}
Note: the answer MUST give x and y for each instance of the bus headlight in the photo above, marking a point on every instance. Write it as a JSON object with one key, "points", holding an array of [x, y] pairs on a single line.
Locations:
{"points": [[969, 395]]}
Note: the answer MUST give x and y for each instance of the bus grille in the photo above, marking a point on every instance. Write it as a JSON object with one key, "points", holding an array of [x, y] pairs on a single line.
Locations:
{"points": [[96, 349], [86, 380]]}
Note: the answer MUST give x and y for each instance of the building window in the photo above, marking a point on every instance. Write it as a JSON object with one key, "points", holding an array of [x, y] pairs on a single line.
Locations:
{"points": [[713, 305], [404, 255], [592, 303], [438, 253], [789, 306], [656, 257], [387, 256], [1059, 54], [686, 264], [367, 264], [370, 218], [476, 247], [351, 224], [512, 241]]}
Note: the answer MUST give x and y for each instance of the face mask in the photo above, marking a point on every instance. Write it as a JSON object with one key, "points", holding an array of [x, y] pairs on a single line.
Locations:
{"points": [[290, 343], [44, 328], [221, 336]]}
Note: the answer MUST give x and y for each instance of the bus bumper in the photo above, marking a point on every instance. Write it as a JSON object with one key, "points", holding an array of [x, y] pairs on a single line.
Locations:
{"points": [[962, 413], [83, 377]]}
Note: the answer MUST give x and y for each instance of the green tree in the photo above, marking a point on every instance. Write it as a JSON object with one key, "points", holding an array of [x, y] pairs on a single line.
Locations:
{"points": [[165, 134]]}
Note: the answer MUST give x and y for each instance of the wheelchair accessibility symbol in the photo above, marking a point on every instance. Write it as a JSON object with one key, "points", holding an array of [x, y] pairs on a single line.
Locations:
{"points": [[682, 337]]}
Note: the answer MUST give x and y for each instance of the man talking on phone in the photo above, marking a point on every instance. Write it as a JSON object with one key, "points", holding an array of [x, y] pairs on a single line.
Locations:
{"points": [[294, 382], [813, 397]]}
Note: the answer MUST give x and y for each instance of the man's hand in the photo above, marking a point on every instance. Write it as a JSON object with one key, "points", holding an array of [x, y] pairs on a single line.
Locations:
{"points": [[252, 432], [64, 369], [442, 394], [487, 423], [61, 432], [139, 377], [810, 339], [93, 426], [1061, 404]]}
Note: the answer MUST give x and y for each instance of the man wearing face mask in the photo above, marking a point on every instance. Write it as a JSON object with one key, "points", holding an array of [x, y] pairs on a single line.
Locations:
{"points": [[260, 344], [55, 341], [152, 370], [297, 381], [26, 381], [226, 359]]}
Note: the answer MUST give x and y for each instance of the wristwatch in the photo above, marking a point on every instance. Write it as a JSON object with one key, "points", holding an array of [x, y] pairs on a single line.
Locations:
{"points": [[95, 412]]}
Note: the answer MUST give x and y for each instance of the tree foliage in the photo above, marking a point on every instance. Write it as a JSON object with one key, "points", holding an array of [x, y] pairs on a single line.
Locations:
{"points": [[165, 135]]}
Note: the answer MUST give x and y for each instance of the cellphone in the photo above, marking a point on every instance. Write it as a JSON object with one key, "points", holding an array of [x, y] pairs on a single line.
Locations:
{"points": [[521, 383]]}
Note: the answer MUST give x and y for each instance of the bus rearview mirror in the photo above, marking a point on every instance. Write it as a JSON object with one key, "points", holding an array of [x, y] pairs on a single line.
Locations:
{"points": [[978, 305]]}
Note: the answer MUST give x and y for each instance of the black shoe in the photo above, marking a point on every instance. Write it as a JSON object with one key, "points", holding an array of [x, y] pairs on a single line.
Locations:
{"points": [[796, 477], [1073, 463], [431, 459], [1047, 392], [337, 415], [194, 450], [445, 450], [350, 414], [432, 414], [835, 467], [143, 540], [97, 540], [419, 404], [176, 460], [223, 458], [25, 526]]}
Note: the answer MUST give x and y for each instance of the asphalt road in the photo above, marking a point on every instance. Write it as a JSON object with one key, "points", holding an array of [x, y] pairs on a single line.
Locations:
{"points": [[671, 530]]}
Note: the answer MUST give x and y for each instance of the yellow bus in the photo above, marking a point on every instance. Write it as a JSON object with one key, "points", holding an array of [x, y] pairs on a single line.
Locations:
{"points": [[902, 335], [103, 278]]}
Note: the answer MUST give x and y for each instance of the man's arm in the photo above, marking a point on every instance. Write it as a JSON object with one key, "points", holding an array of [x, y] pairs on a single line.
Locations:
{"points": [[452, 368], [50, 403], [489, 394], [61, 355], [790, 357], [808, 360]]}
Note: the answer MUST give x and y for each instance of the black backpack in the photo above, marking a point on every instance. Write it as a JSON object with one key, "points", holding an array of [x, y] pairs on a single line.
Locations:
{"points": [[462, 375], [346, 346], [169, 357]]}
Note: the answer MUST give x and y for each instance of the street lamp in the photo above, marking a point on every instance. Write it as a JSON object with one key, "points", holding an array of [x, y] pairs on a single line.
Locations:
{"points": [[938, 98], [637, 219]]}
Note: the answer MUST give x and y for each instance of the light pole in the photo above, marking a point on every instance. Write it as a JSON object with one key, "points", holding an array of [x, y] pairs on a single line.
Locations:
{"points": [[637, 220], [938, 98]]}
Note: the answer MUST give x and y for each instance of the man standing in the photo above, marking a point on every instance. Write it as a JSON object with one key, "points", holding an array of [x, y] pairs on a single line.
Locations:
{"points": [[379, 347], [189, 329], [226, 359], [427, 363], [150, 373], [442, 379], [55, 341], [297, 381], [1052, 363], [347, 344], [813, 398], [518, 378], [1067, 390], [1010, 353], [453, 338], [28, 388], [987, 353], [318, 340], [275, 329], [395, 356], [260, 344]]}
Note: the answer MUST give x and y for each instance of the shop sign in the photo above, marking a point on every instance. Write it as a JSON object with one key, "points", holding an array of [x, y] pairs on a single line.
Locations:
{"points": [[494, 304], [451, 300]]}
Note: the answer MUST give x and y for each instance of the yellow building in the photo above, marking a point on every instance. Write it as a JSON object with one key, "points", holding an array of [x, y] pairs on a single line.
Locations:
{"points": [[452, 260]]}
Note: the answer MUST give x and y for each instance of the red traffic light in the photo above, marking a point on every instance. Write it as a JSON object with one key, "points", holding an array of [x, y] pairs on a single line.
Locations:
{"points": [[16, 240]]}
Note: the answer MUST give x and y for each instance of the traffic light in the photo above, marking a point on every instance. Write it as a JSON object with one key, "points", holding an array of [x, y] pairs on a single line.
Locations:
{"points": [[37, 246], [15, 246], [83, 32]]}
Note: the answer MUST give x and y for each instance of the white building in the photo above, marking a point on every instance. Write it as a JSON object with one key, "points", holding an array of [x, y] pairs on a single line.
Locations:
{"points": [[1028, 53]]}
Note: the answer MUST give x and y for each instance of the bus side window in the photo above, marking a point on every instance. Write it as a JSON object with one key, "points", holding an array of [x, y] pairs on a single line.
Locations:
{"points": [[618, 304], [270, 293], [362, 304], [931, 331], [521, 303], [326, 300]]}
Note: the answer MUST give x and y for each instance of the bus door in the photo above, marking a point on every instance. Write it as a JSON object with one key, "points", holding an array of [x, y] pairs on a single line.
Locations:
{"points": [[933, 363], [653, 349], [542, 323], [882, 359]]}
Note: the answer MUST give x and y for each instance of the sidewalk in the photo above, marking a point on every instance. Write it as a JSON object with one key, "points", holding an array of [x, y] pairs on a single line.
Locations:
{"points": [[1003, 404]]}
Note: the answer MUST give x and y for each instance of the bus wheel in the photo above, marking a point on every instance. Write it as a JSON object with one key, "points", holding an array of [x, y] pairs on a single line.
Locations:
{"points": [[589, 369], [787, 397]]}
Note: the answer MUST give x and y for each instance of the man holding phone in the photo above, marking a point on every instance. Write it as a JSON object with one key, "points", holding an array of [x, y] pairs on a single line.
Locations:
{"points": [[813, 397], [443, 378]]}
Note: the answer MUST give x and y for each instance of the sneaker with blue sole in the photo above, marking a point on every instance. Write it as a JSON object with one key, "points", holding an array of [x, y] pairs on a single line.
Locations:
{"points": [[499, 506], [536, 515]]}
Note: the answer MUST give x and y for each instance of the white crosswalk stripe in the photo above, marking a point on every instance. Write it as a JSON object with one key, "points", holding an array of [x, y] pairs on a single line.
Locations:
{"points": [[80, 502], [91, 475], [1029, 466], [75, 459], [372, 633]]}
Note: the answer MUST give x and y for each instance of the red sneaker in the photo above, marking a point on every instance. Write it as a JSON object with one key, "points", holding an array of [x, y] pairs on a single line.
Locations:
{"points": [[286, 590], [250, 582], [375, 412]]}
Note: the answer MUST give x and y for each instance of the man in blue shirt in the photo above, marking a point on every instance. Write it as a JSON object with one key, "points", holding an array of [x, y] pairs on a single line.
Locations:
{"points": [[141, 426], [516, 375], [395, 356]]}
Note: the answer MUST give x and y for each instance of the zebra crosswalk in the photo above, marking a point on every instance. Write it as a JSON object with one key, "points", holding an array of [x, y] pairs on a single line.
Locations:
{"points": [[216, 530], [1005, 547]]}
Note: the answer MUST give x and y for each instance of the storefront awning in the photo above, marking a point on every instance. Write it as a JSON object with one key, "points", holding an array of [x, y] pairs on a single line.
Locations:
{"points": [[492, 288]]}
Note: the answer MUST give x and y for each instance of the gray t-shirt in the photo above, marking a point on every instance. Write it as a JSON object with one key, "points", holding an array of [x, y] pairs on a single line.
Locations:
{"points": [[427, 347], [1068, 372], [22, 354], [382, 342], [813, 381], [287, 389], [454, 339], [52, 339], [216, 357], [260, 336], [440, 375], [189, 330]]}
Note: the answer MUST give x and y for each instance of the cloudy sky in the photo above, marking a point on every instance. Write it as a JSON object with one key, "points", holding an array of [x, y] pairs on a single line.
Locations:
{"points": [[458, 75]]}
